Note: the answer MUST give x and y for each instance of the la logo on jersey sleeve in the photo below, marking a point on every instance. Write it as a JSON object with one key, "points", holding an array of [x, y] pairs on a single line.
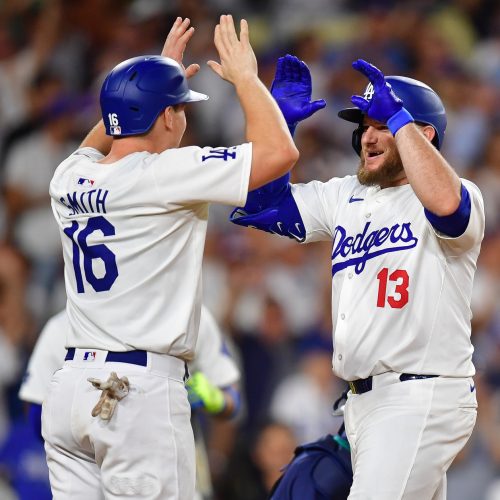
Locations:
{"points": [[221, 154]]}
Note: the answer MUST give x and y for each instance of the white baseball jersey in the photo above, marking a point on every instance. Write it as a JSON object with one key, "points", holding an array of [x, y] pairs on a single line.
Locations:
{"points": [[48, 356], [211, 356], [133, 234], [400, 290]]}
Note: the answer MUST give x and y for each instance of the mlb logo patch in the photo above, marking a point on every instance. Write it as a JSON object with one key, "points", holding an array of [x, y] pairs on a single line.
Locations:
{"points": [[89, 356], [116, 130], [82, 181]]}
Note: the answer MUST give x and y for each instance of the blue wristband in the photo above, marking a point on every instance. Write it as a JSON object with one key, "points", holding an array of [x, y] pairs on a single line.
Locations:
{"points": [[398, 120]]}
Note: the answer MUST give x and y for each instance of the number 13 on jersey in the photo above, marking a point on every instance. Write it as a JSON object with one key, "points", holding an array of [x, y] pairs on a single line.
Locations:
{"points": [[91, 254], [400, 297]]}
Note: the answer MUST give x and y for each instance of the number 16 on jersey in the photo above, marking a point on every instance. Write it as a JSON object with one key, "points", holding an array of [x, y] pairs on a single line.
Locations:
{"points": [[91, 254]]}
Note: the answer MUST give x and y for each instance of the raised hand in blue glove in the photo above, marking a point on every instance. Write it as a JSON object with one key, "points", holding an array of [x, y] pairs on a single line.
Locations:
{"points": [[379, 101], [292, 89]]}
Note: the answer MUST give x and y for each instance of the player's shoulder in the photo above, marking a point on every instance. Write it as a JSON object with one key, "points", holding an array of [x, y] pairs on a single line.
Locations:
{"points": [[85, 154], [185, 150], [175, 156], [476, 200], [78, 158], [472, 188], [201, 154], [351, 185], [349, 181], [335, 188]]}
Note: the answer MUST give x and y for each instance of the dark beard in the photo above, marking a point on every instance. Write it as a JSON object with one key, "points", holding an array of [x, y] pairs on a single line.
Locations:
{"points": [[384, 175]]}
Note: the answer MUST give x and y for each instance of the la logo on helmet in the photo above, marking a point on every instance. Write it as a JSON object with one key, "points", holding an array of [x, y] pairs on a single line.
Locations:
{"points": [[369, 91]]}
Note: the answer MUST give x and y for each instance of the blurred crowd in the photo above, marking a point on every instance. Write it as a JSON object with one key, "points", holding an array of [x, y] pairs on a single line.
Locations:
{"points": [[271, 296]]}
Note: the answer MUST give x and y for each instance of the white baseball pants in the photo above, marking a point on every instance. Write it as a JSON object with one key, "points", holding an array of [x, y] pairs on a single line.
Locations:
{"points": [[405, 435], [146, 450]]}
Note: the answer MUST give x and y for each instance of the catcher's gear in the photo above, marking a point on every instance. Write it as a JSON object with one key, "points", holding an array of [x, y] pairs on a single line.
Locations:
{"points": [[421, 102], [203, 394], [319, 471], [137, 90], [113, 390]]}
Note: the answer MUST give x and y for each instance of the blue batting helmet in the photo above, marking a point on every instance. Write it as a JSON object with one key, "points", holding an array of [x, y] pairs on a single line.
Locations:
{"points": [[418, 98], [137, 90]]}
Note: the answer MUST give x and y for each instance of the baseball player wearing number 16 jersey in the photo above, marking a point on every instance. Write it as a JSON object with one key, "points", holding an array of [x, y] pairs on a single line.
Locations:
{"points": [[133, 218], [406, 235]]}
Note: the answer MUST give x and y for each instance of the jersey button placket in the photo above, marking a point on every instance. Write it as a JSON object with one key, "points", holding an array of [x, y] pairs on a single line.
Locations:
{"points": [[341, 329], [340, 340]]}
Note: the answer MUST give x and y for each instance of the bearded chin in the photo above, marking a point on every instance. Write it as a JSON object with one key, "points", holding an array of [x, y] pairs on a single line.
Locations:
{"points": [[388, 172]]}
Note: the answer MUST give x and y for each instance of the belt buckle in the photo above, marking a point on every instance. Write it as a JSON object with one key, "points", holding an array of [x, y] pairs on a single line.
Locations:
{"points": [[352, 387]]}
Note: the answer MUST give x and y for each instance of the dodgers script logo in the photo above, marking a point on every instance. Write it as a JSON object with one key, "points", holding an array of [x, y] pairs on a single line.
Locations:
{"points": [[359, 249]]}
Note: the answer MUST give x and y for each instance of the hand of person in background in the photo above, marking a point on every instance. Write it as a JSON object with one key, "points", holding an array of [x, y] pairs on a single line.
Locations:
{"points": [[379, 101], [292, 90], [203, 394]]}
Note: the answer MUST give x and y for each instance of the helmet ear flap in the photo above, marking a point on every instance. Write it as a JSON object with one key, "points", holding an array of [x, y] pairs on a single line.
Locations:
{"points": [[356, 139]]}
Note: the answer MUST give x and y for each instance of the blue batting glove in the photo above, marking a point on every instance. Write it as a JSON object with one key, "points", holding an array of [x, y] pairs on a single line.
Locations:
{"points": [[379, 101], [292, 89]]}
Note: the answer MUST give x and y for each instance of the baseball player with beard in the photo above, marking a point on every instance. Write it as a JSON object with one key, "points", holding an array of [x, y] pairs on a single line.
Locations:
{"points": [[133, 219], [406, 235]]}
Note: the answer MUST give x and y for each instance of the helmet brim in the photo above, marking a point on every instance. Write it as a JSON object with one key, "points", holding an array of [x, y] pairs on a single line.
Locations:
{"points": [[354, 115], [195, 96]]}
